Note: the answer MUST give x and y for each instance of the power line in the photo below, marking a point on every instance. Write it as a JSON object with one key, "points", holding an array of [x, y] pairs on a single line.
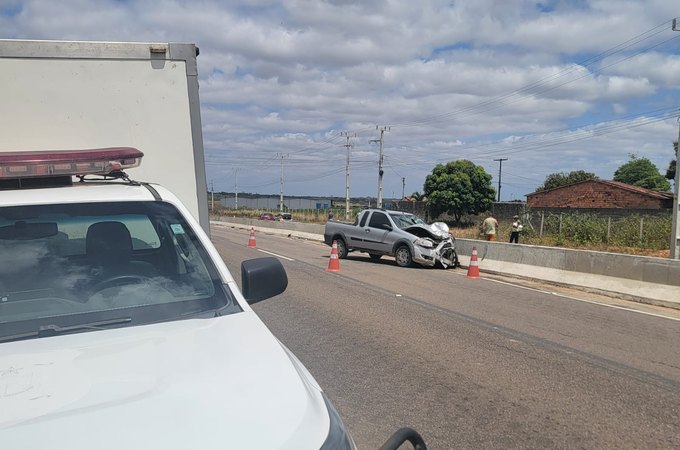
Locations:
{"points": [[530, 143]]}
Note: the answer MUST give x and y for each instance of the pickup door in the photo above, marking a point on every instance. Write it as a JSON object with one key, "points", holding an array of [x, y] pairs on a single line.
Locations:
{"points": [[377, 233]]}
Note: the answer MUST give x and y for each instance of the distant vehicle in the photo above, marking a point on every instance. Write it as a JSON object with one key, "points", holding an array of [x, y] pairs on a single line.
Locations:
{"points": [[403, 235], [267, 216], [284, 216]]}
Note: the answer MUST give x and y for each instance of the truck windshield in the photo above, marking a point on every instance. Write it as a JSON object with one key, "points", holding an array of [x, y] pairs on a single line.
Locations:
{"points": [[407, 220], [62, 265]]}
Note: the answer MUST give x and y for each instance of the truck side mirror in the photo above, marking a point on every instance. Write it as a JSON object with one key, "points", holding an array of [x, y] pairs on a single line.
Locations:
{"points": [[262, 278]]}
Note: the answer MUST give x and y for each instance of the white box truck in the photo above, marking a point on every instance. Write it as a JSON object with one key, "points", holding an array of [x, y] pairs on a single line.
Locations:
{"points": [[59, 95], [116, 311]]}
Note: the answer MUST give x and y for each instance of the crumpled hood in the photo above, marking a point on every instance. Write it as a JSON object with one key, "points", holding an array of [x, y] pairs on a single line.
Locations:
{"points": [[436, 230], [201, 383]]}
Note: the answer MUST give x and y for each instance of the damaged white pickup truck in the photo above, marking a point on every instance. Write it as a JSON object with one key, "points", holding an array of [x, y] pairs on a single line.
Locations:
{"points": [[403, 235]]}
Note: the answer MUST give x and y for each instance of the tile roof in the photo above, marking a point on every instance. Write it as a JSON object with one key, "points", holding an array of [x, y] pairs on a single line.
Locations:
{"points": [[618, 185]]}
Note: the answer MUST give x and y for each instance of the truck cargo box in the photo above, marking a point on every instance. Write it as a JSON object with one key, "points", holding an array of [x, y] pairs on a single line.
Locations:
{"points": [[59, 95]]}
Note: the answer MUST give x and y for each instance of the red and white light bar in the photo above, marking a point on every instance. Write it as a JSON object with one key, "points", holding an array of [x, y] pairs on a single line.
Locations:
{"points": [[99, 161]]}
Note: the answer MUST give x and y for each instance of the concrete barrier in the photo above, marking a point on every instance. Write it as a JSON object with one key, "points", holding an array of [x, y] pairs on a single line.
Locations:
{"points": [[639, 278], [630, 267]]}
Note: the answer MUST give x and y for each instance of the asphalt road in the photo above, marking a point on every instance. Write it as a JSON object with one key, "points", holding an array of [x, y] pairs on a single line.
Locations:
{"points": [[471, 363]]}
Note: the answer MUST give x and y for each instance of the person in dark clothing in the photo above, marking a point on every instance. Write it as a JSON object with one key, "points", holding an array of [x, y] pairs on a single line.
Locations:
{"points": [[516, 229]]}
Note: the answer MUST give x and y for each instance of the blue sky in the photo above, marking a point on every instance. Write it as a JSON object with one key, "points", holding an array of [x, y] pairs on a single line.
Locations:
{"points": [[553, 86]]}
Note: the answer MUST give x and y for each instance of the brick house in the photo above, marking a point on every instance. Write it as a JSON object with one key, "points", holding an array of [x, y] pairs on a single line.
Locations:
{"points": [[600, 194]]}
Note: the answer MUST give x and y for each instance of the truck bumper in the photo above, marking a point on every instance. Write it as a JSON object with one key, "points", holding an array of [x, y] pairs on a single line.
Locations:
{"points": [[444, 253]]}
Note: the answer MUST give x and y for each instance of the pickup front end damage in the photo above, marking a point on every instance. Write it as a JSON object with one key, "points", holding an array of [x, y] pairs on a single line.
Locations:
{"points": [[434, 245]]}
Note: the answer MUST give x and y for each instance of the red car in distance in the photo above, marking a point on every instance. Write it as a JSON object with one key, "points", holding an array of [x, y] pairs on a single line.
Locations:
{"points": [[267, 216]]}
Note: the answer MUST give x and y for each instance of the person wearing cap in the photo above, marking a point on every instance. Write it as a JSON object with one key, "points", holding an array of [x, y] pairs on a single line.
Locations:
{"points": [[516, 228]]}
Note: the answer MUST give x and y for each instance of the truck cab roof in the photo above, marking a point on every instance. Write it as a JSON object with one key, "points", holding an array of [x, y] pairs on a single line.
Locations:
{"points": [[89, 191]]}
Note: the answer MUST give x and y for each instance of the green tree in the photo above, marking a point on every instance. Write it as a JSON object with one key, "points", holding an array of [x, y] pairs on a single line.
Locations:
{"points": [[555, 180], [459, 187], [643, 173]]}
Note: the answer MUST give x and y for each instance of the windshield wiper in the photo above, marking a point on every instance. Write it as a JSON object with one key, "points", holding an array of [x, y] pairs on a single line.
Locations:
{"points": [[53, 330]]}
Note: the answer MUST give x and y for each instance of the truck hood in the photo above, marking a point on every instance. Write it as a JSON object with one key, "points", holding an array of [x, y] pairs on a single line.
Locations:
{"points": [[437, 231], [195, 383]]}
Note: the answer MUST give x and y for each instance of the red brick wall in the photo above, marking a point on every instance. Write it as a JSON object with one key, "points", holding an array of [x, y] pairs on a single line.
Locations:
{"points": [[592, 195]]}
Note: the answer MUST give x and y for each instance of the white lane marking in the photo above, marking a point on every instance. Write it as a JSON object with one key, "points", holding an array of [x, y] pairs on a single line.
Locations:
{"points": [[274, 254], [592, 302]]}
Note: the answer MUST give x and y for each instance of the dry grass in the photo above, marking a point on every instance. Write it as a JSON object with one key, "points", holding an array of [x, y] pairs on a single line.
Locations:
{"points": [[321, 216], [552, 241]]}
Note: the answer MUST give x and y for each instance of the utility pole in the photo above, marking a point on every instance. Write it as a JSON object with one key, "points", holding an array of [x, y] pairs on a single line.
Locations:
{"points": [[675, 231], [403, 186], [212, 196], [348, 145], [380, 163], [281, 198], [500, 172], [236, 188]]}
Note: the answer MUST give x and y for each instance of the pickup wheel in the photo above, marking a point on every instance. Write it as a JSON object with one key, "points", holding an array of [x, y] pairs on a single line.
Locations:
{"points": [[375, 256], [342, 248], [448, 259], [403, 256]]}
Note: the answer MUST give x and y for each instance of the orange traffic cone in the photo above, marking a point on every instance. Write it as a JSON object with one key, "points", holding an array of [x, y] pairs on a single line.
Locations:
{"points": [[251, 241], [473, 267], [334, 262]]}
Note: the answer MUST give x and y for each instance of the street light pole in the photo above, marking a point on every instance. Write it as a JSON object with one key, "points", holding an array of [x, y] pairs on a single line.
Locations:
{"points": [[235, 188], [212, 196]]}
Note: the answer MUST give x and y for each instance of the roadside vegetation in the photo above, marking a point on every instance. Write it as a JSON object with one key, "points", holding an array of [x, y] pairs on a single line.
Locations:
{"points": [[460, 192], [635, 235]]}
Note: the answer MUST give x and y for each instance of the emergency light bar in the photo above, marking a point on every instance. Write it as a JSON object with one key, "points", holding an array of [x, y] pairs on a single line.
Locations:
{"points": [[101, 161]]}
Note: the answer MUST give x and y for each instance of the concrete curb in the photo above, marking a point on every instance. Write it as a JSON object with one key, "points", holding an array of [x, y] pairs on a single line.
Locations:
{"points": [[544, 264]]}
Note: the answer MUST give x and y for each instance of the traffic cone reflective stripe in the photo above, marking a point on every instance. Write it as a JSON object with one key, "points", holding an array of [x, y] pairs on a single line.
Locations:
{"points": [[251, 240], [334, 261], [473, 267]]}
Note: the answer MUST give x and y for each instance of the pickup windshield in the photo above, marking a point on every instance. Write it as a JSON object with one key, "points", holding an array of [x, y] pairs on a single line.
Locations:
{"points": [[62, 265], [406, 220]]}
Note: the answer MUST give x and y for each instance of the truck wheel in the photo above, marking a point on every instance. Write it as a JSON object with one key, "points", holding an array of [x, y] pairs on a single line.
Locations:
{"points": [[448, 259], [342, 248], [375, 256], [403, 256]]}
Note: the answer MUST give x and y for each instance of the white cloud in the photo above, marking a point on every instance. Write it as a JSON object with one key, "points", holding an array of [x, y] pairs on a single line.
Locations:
{"points": [[452, 78]]}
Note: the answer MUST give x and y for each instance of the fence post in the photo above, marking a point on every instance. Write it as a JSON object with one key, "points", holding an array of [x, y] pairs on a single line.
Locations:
{"points": [[642, 221], [560, 231], [609, 227], [542, 217]]}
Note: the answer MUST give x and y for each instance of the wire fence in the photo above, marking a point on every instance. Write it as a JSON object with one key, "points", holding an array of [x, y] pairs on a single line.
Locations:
{"points": [[539, 227], [629, 231]]}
